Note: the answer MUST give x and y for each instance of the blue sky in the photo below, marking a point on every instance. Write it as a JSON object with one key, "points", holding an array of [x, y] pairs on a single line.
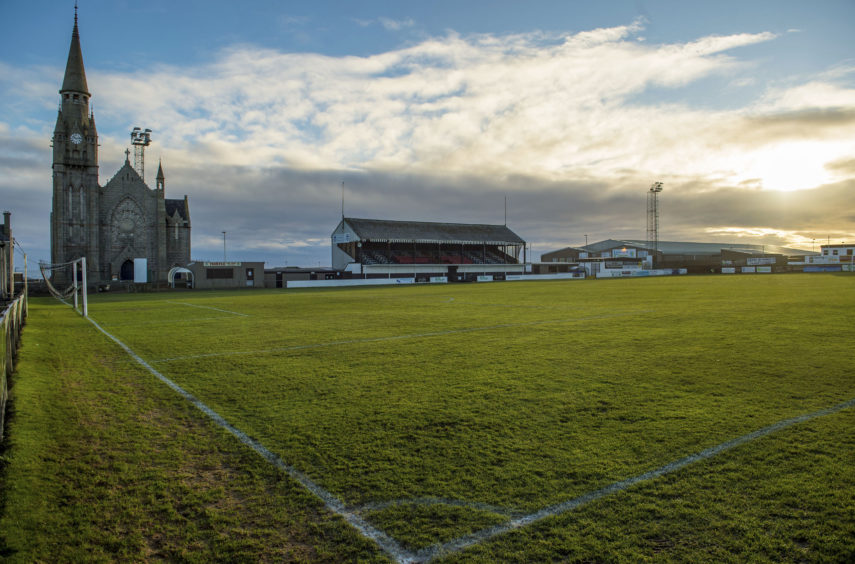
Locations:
{"points": [[437, 111]]}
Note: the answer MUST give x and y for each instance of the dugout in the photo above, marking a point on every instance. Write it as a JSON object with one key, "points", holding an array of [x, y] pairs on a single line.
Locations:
{"points": [[278, 277], [375, 248]]}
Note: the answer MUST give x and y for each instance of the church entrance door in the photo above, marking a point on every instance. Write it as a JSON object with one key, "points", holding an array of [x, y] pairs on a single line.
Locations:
{"points": [[127, 272]]}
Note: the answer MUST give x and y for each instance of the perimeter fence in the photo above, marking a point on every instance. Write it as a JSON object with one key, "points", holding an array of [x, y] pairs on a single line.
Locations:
{"points": [[12, 320]]}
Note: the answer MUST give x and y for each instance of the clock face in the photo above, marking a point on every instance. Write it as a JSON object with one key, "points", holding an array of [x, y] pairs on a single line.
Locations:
{"points": [[76, 138]]}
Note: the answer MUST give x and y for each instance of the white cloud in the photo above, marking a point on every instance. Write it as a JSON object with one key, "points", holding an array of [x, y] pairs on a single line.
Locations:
{"points": [[556, 119], [549, 106], [396, 25], [521, 103], [812, 94]]}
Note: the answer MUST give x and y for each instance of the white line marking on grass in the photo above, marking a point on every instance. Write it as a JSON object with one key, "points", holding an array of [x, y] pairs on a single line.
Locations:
{"points": [[465, 541], [381, 539], [208, 307], [397, 337], [393, 547]]}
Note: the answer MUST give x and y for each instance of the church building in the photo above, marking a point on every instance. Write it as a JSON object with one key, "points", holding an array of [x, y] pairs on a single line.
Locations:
{"points": [[114, 224]]}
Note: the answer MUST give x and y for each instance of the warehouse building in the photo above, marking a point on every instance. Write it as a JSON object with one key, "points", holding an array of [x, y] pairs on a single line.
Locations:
{"points": [[693, 257]]}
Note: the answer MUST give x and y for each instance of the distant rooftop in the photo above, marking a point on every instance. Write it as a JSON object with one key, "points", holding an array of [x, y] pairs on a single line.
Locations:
{"points": [[695, 249]]}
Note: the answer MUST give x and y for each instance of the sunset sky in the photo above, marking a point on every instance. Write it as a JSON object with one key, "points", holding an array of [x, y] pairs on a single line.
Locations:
{"points": [[438, 111]]}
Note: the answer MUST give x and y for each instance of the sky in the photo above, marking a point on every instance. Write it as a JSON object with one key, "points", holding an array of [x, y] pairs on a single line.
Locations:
{"points": [[273, 116]]}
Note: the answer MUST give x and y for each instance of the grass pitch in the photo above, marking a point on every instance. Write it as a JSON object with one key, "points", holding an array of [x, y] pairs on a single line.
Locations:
{"points": [[437, 412]]}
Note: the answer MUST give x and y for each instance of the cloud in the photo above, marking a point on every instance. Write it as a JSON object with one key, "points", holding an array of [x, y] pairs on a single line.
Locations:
{"points": [[290, 21], [445, 128], [845, 166], [534, 104], [396, 25], [388, 24]]}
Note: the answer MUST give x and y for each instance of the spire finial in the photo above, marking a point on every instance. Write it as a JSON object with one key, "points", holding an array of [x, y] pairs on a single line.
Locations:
{"points": [[75, 13]]}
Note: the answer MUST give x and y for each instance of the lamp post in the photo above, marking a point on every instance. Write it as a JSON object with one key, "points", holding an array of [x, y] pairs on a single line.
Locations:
{"points": [[224, 246], [586, 239]]}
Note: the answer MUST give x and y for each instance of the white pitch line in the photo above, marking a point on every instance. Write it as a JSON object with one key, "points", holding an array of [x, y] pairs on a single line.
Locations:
{"points": [[396, 337], [478, 537], [403, 556], [207, 307], [381, 539]]}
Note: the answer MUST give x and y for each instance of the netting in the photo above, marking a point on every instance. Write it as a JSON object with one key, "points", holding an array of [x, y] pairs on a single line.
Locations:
{"points": [[64, 271]]}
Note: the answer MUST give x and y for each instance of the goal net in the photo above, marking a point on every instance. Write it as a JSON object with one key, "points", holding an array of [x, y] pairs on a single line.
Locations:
{"points": [[67, 280]]}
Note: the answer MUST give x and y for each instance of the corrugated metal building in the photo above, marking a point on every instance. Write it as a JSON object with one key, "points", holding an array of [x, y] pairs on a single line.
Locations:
{"points": [[695, 257]]}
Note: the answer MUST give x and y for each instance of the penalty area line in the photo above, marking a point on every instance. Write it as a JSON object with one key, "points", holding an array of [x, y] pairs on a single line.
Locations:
{"points": [[335, 505]]}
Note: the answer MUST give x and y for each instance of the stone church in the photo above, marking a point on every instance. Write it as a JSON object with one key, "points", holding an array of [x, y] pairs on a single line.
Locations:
{"points": [[114, 224]]}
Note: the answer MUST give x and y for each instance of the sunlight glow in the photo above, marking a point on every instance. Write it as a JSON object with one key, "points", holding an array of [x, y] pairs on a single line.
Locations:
{"points": [[792, 239], [790, 166]]}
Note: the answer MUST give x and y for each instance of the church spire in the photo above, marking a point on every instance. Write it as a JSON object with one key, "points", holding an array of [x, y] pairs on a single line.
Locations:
{"points": [[75, 75]]}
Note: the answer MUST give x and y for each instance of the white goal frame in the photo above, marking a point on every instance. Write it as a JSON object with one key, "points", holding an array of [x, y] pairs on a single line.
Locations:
{"points": [[77, 289], [81, 288]]}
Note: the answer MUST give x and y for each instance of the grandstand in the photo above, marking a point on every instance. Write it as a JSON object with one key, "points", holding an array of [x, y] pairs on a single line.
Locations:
{"points": [[377, 248]]}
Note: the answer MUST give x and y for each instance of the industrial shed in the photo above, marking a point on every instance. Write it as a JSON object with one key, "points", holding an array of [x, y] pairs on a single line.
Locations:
{"points": [[695, 257]]}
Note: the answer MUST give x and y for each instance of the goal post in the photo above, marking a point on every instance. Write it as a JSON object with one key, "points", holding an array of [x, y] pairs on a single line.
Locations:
{"points": [[75, 271], [80, 287]]}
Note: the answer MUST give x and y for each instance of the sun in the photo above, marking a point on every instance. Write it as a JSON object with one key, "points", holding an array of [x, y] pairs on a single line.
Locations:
{"points": [[789, 166]]}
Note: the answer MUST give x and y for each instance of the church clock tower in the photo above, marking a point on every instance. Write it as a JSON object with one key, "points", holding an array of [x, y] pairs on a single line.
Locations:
{"points": [[120, 222], [76, 193]]}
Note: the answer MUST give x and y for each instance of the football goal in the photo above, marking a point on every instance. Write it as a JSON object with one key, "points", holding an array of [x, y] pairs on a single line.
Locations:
{"points": [[68, 280]]}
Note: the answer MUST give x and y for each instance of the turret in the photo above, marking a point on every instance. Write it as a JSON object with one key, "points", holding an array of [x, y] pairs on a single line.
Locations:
{"points": [[160, 179]]}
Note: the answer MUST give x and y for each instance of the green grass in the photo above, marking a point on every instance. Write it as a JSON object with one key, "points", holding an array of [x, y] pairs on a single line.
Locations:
{"points": [[438, 411], [104, 463]]}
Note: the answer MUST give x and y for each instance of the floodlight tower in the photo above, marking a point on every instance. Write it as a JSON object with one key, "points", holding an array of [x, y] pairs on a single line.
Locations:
{"points": [[653, 219], [140, 139]]}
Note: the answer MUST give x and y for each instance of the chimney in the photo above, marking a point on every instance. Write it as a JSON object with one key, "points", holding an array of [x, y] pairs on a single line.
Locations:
{"points": [[7, 224]]}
